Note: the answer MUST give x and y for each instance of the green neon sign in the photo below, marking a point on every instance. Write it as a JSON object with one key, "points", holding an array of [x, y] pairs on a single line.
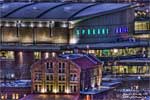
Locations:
{"points": [[99, 31], [78, 32], [94, 31], [103, 31], [89, 31], [83, 31]]}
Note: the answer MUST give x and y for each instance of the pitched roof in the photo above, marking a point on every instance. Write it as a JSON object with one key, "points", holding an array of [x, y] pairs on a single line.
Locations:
{"points": [[84, 61]]}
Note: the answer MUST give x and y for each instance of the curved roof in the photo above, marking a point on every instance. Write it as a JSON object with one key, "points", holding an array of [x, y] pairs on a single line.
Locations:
{"points": [[62, 11]]}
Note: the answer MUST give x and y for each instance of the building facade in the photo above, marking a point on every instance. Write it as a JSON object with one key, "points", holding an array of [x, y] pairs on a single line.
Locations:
{"points": [[66, 75], [53, 28]]}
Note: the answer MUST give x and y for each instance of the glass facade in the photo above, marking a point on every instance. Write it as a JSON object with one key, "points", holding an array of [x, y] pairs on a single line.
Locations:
{"points": [[7, 55], [120, 69], [142, 25], [118, 52]]}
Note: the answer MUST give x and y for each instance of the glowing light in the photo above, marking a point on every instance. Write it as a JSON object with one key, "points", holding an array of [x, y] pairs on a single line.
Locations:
{"points": [[12, 75], [115, 50], [73, 40], [43, 90], [2, 97], [72, 22], [40, 24], [31, 25], [46, 55], [55, 90], [99, 31], [67, 57], [94, 31], [53, 54], [83, 31], [67, 91], [23, 24], [103, 31], [77, 32], [7, 24], [21, 56], [107, 31], [64, 25], [89, 31]]}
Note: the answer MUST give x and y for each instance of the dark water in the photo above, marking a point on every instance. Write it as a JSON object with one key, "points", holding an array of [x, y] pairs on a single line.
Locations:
{"points": [[128, 90]]}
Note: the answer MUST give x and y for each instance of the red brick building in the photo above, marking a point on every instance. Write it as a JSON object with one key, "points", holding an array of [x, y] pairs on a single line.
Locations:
{"points": [[68, 73]]}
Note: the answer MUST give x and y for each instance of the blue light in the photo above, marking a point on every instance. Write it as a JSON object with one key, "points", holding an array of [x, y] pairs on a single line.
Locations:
{"points": [[117, 30], [120, 30]]}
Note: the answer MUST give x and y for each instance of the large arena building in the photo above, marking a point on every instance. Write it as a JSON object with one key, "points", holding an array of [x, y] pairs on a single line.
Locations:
{"points": [[30, 31]]}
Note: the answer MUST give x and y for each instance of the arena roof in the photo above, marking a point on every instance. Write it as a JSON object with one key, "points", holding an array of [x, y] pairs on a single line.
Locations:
{"points": [[57, 11]]}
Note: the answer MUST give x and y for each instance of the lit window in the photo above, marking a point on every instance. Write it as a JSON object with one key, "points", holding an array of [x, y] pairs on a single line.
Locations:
{"points": [[17, 96], [37, 55], [13, 96], [7, 54]]}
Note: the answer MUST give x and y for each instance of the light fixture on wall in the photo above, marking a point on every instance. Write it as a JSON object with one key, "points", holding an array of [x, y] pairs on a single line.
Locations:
{"points": [[40, 24], [51, 25], [18, 24], [43, 90], [7, 24], [32, 24]]}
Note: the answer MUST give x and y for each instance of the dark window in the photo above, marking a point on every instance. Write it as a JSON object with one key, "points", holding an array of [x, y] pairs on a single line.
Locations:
{"points": [[36, 88], [75, 88], [63, 89], [39, 87], [47, 88]]}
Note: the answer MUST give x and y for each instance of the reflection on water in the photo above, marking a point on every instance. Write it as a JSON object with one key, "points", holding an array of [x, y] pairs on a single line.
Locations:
{"points": [[131, 90]]}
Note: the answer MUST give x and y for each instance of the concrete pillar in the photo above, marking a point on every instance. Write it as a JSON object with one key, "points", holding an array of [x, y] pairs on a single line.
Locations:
{"points": [[24, 60]]}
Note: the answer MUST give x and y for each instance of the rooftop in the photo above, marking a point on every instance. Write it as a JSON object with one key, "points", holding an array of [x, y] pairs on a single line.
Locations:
{"points": [[51, 97], [17, 83], [84, 61], [57, 11]]}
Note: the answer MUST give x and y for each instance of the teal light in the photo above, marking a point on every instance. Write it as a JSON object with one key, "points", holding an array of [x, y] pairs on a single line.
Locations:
{"points": [[99, 31], [89, 31], [83, 31], [94, 31], [78, 32], [103, 31], [107, 31]]}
